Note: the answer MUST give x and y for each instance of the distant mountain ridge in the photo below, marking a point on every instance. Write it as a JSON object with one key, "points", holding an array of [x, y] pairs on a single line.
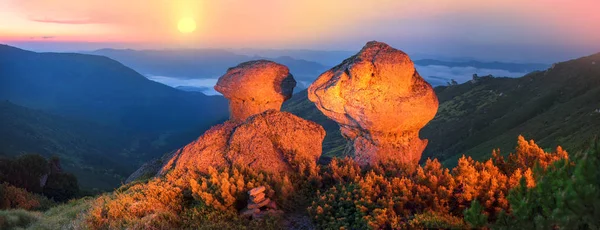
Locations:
{"points": [[201, 63], [100, 89]]}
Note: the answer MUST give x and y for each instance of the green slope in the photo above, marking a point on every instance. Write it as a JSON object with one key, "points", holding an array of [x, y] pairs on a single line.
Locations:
{"points": [[559, 106], [89, 150]]}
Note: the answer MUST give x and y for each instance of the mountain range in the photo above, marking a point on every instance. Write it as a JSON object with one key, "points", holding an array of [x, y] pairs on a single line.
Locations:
{"points": [[202, 63]]}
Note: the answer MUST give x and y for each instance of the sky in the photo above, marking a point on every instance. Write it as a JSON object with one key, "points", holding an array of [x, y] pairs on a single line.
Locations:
{"points": [[509, 30]]}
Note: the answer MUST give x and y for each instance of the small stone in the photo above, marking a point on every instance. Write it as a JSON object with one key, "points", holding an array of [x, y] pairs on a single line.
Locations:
{"points": [[258, 198], [249, 212], [272, 205], [256, 191], [259, 205]]}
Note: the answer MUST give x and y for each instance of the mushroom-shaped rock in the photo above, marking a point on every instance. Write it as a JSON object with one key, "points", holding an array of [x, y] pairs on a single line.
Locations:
{"points": [[380, 103], [254, 87]]}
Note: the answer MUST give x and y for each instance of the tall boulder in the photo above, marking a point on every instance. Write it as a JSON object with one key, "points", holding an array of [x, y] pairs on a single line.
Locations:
{"points": [[258, 135], [255, 86], [380, 103]]}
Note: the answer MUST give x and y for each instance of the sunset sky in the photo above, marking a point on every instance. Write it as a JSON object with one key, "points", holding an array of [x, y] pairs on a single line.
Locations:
{"points": [[542, 30]]}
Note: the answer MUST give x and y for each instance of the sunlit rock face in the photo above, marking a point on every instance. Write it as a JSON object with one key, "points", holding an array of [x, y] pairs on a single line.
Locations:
{"points": [[254, 87], [258, 135], [380, 103], [271, 141]]}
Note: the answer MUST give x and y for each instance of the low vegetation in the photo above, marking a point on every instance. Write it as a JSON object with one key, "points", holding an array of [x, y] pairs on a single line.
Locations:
{"points": [[503, 192], [32, 173]]}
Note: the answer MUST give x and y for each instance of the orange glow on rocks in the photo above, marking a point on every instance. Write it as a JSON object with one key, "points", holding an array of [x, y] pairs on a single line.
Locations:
{"points": [[380, 102], [258, 135], [254, 87]]}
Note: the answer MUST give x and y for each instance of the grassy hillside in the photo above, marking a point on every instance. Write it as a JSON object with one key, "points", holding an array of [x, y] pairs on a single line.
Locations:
{"points": [[558, 106]]}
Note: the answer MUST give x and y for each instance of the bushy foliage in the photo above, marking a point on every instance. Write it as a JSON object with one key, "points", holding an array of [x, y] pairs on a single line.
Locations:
{"points": [[33, 173], [205, 218], [436, 220], [393, 196], [139, 205], [566, 196], [61, 186], [24, 171], [227, 190], [341, 195], [12, 197], [189, 201]]}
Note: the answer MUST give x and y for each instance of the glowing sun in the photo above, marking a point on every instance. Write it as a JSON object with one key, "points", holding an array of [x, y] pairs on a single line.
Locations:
{"points": [[186, 25]]}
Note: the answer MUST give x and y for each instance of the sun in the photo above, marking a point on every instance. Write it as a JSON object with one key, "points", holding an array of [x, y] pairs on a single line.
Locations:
{"points": [[186, 25]]}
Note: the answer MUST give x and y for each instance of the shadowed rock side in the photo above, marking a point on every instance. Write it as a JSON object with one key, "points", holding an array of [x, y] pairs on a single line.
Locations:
{"points": [[255, 86], [380, 103], [258, 134]]}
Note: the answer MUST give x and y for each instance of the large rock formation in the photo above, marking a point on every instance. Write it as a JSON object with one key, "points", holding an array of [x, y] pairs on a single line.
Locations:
{"points": [[380, 103], [270, 141], [258, 134], [255, 86]]}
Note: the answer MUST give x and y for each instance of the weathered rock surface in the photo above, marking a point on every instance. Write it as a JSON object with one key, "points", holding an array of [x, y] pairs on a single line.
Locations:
{"points": [[271, 141], [380, 103], [258, 135], [254, 87]]}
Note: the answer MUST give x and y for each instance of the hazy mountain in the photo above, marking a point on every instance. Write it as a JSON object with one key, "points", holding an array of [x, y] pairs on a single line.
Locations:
{"points": [[201, 63], [558, 106], [328, 58], [100, 89]]}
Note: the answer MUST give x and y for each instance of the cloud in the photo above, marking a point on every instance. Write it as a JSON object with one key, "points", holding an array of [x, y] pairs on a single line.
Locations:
{"points": [[205, 83], [439, 75], [65, 21], [43, 37]]}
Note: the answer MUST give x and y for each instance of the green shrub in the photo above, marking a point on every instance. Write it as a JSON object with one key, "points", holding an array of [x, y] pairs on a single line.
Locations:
{"points": [[206, 218], [566, 195], [474, 215], [435, 220], [61, 186]]}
